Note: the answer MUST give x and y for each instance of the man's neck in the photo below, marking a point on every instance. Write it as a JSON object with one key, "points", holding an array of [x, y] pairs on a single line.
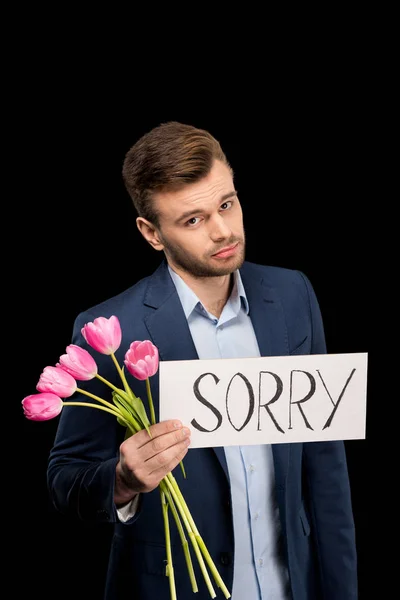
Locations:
{"points": [[213, 292]]}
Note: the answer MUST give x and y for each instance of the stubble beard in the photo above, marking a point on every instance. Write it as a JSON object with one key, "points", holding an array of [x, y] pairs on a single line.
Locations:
{"points": [[201, 268]]}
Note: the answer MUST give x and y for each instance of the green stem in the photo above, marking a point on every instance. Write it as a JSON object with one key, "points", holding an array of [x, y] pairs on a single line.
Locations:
{"points": [[113, 412], [117, 365], [213, 568], [182, 501], [150, 399], [123, 378], [170, 567], [111, 385], [181, 532], [96, 398], [199, 540], [185, 514]]}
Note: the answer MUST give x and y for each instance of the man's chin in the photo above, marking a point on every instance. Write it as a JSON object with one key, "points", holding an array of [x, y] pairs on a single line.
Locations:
{"points": [[229, 266]]}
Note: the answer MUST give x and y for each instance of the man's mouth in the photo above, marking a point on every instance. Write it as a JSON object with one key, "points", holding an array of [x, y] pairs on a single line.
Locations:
{"points": [[227, 251]]}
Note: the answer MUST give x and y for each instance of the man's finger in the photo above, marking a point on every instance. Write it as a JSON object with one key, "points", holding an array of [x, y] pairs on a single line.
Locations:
{"points": [[157, 446], [142, 437]]}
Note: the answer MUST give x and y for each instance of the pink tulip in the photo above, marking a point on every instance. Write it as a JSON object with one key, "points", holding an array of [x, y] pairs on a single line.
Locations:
{"points": [[78, 363], [42, 407], [104, 335], [56, 381], [141, 359]]}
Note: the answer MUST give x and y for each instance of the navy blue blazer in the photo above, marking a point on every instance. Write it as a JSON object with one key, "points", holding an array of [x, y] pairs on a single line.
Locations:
{"points": [[311, 479]]}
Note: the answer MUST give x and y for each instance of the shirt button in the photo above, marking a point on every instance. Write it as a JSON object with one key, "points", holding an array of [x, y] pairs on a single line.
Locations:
{"points": [[252, 468], [256, 515], [260, 562]]}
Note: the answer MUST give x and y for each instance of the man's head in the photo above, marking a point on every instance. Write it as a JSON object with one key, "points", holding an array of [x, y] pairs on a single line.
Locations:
{"points": [[181, 185]]}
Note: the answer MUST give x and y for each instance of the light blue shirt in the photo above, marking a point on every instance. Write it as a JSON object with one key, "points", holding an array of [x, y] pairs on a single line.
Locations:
{"points": [[259, 571]]}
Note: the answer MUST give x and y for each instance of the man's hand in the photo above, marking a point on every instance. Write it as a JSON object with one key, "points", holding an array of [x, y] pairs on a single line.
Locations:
{"points": [[145, 460]]}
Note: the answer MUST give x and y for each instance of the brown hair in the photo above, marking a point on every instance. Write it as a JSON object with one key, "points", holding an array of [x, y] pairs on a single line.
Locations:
{"points": [[166, 158]]}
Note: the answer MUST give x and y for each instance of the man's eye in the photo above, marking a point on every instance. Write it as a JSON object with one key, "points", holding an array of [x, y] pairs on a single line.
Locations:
{"points": [[226, 205], [192, 221]]}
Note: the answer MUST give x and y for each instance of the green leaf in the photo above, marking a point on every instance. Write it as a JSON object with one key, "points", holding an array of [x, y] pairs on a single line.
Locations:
{"points": [[136, 411], [141, 411], [127, 413]]}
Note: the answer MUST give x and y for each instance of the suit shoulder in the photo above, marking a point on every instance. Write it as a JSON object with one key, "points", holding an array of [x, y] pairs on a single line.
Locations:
{"points": [[290, 284], [277, 276], [114, 304]]}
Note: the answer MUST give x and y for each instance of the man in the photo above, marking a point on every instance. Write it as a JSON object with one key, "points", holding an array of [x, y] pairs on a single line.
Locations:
{"points": [[277, 520]]}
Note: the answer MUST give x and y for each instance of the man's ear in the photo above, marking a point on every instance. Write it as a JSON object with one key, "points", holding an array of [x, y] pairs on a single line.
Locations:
{"points": [[150, 233]]}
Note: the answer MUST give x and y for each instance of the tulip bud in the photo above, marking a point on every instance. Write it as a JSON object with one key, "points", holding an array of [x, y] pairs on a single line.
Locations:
{"points": [[42, 407], [142, 359], [104, 335], [57, 381], [78, 362]]}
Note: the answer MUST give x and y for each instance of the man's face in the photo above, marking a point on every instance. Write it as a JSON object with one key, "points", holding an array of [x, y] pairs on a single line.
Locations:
{"points": [[201, 226]]}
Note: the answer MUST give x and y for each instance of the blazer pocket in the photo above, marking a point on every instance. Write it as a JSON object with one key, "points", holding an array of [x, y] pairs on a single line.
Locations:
{"points": [[151, 558], [300, 348], [304, 521]]}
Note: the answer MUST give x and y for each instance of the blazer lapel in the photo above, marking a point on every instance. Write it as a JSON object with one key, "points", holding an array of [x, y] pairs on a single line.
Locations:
{"points": [[169, 329], [167, 324], [266, 314]]}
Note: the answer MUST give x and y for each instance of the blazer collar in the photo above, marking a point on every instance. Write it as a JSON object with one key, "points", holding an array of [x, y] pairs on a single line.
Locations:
{"points": [[265, 311]]}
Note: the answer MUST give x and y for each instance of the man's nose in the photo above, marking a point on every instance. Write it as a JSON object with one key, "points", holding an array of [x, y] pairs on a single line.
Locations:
{"points": [[218, 228]]}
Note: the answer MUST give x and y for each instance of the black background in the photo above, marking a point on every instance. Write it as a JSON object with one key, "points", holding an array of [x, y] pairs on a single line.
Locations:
{"points": [[302, 155]]}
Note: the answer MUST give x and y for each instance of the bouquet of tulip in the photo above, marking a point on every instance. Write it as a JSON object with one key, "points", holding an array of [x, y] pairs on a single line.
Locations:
{"points": [[141, 360]]}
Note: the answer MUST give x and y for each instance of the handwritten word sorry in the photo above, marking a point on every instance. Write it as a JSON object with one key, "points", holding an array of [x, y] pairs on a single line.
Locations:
{"points": [[262, 403]]}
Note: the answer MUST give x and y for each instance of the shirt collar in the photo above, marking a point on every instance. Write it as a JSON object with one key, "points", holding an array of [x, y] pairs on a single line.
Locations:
{"points": [[189, 300]]}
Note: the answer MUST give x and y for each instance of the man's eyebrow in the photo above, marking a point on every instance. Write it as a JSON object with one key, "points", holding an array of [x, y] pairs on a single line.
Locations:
{"points": [[190, 213]]}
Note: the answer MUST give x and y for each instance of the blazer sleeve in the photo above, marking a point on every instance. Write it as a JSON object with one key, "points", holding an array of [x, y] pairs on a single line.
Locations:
{"points": [[332, 518], [329, 494]]}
